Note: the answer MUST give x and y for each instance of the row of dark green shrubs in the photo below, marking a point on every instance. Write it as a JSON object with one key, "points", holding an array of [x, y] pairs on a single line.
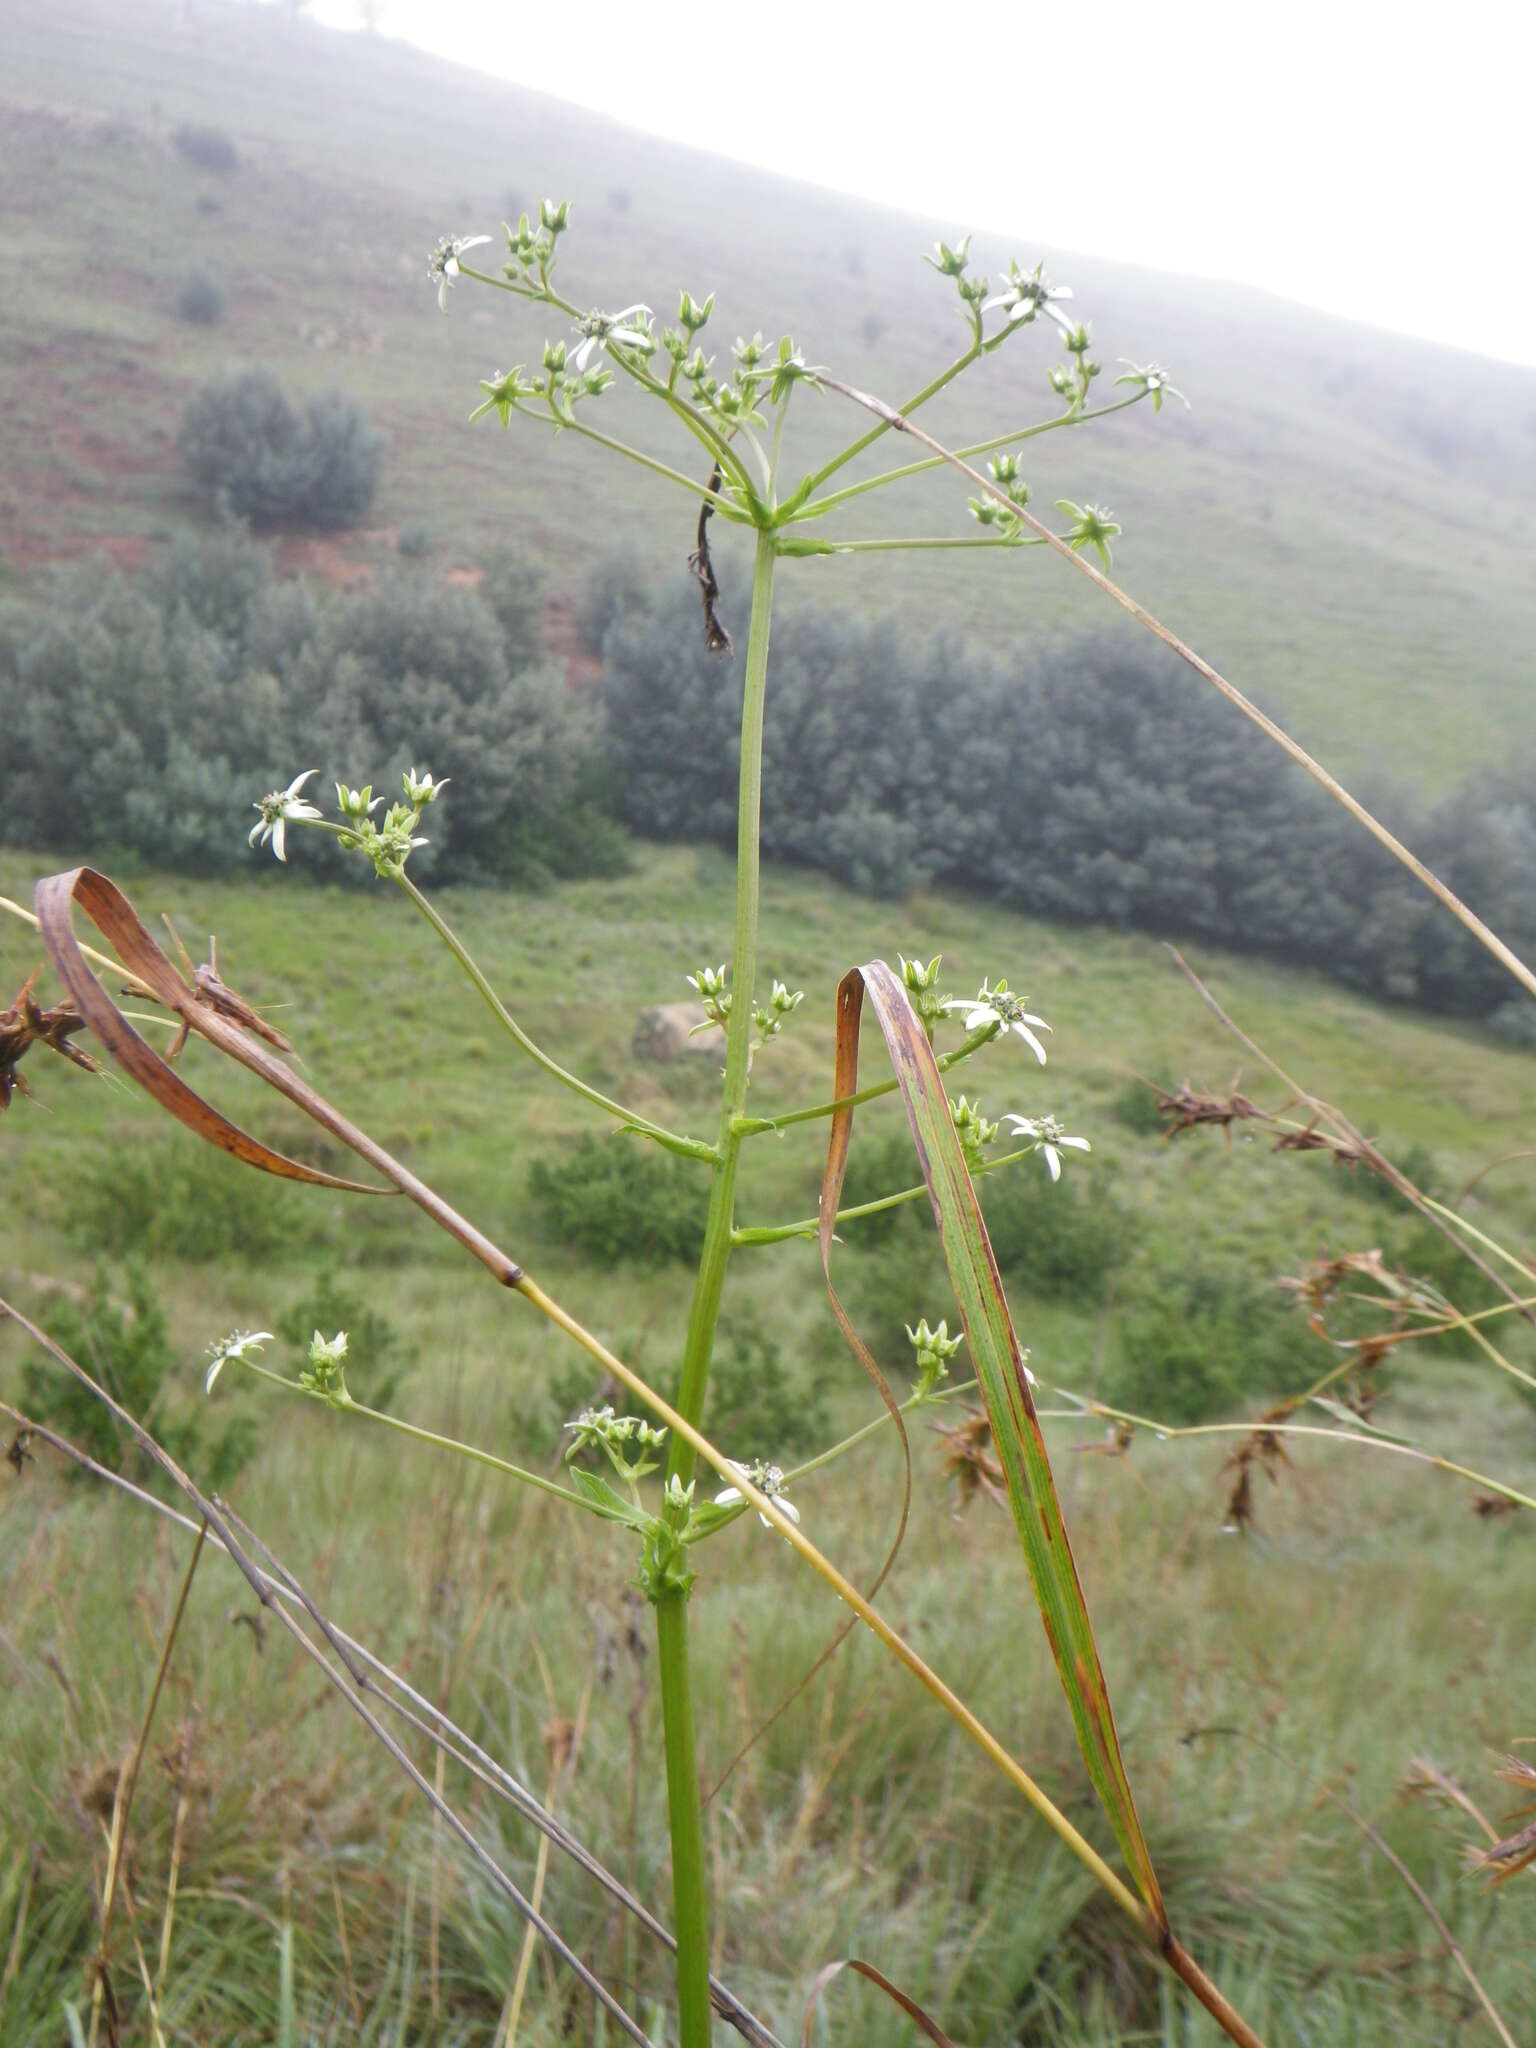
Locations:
{"points": [[1096, 783], [144, 718]]}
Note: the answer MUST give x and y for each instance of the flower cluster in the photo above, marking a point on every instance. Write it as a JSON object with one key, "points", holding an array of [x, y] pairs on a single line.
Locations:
{"points": [[1151, 381], [781, 1004], [390, 845], [973, 1130], [1004, 472], [626, 1441], [325, 1369], [713, 994], [1026, 294], [1092, 526], [933, 1349]]}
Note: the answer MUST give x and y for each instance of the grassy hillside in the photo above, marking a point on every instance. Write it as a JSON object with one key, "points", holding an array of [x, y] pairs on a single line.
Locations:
{"points": [[1370, 1618], [1345, 518]]}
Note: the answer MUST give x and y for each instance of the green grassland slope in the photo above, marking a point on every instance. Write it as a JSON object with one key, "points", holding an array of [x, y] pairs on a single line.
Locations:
{"points": [[1344, 519]]}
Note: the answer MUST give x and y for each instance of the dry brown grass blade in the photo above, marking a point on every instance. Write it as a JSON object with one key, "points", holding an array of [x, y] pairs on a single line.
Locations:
{"points": [[109, 909], [914, 2012]]}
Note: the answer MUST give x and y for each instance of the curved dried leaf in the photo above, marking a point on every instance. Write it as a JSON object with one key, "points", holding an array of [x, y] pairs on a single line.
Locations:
{"points": [[1000, 1372], [114, 916], [910, 2006]]}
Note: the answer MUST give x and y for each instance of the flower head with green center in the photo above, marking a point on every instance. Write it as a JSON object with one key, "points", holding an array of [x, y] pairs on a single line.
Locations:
{"points": [[624, 1440], [421, 790], [1049, 1138], [1001, 1008], [1152, 380], [713, 994], [1092, 527], [629, 329], [769, 1480], [950, 262], [443, 263], [1027, 294], [277, 809], [239, 1344], [973, 1130]]}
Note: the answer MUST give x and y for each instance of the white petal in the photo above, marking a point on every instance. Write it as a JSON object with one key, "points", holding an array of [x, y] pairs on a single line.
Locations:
{"points": [[442, 293], [1029, 1039], [213, 1372], [729, 1496], [470, 242], [451, 266], [1052, 1160], [989, 304], [1076, 1144], [277, 839], [787, 1507], [583, 354], [257, 830], [299, 781]]}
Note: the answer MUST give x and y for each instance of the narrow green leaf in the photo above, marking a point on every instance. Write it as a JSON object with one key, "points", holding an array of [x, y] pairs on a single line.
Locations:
{"points": [[1001, 1374]]}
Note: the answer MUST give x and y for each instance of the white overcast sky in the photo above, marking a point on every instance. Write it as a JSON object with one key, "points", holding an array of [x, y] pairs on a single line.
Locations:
{"points": [[1372, 160]]}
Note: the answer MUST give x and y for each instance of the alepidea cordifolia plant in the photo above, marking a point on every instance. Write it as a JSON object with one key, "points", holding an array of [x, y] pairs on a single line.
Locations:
{"points": [[664, 1510], [734, 409]]}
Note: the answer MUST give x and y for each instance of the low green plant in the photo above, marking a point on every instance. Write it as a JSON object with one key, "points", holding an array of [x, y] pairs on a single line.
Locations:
{"points": [[616, 1202]]}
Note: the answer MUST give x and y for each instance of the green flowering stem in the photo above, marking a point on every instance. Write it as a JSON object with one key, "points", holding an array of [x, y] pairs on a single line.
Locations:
{"points": [[817, 506], [685, 1820], [856, 448], [777, 1233], [755, 1126], [424, 1436], [687, 1148]]}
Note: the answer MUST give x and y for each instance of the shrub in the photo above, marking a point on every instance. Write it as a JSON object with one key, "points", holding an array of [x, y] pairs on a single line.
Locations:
{"points": [[126, 1346], [183, 1200], [209, 149], [622, 1199], [200, 299], [415, 541], [256, 454], [1058, 1241], [1205, 1343]]}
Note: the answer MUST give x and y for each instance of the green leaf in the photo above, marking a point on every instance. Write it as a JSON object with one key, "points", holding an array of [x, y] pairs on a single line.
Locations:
{"points": [[1000, 1372], [613, 1507]]}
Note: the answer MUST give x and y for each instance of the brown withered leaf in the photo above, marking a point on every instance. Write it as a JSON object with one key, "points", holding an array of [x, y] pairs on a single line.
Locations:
{"points": [[969, 1458], [1184, 1108], [109, 909], [26, 1024]]}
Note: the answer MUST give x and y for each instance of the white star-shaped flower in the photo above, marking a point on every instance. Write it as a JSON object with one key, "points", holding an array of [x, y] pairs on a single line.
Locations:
{"points": [[1049, 1138], [598, 329], [767, 1479], [277, 809], [1002, 1007], [238, 1344], [443, 263]]}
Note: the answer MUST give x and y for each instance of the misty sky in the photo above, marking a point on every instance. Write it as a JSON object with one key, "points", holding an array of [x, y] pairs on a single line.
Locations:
{"points": [[1371, 160]]}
